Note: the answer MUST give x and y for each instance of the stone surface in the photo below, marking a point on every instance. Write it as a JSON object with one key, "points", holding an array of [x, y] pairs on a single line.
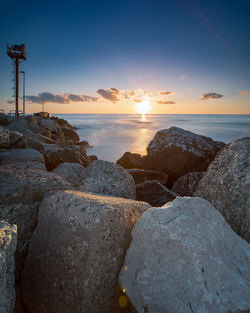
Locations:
{"points": [[76, 252], [8, 138], [3, 119], [141, 176], [154, 193], [108, 178], [22, 186], [184, 257], [70, 134], [50, 125], [226, 184], [71, 172], [177, 152], [55, 155], [187, 184], [131, 160], [12, 156], [8, 238]]}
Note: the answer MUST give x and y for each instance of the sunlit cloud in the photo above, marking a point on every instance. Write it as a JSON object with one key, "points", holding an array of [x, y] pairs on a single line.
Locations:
{"points": [[243, 92], [137, 100], [210, 95], [165, 93], [59, 98], [109, 94], [165, 102]]}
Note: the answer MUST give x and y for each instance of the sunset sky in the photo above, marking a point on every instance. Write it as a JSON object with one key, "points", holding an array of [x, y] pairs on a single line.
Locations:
{"points": [[110, 56]]}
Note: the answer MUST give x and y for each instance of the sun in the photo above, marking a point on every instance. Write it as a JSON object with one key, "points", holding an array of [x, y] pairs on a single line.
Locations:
{"points": [[143, 107]]}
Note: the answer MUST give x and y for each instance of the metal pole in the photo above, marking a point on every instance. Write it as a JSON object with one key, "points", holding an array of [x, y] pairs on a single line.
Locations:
{"points": [[17, 86], [23, 91]]}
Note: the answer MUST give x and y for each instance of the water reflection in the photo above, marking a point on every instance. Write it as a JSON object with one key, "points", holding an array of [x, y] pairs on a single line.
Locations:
{"points": [[114, 134]]}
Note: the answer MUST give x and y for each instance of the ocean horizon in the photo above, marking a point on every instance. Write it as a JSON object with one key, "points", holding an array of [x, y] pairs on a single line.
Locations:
{"points": [[111, 135]]}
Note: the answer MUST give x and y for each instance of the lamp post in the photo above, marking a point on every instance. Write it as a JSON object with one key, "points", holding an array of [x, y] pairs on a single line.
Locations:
{"points": [[23, 91]]}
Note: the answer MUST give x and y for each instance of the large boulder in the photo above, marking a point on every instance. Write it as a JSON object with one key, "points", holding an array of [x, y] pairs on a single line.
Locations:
{"points": [[56, 154], [108, 178], [154, 193], [8, 238], [187, 184], [15, 156], [177, 152], [50, 125], [76, 253], [70, 134], [141, 176], [22, 186], [184, 257], [226, 184], [8, 138], [71, 172], [131, 160]]}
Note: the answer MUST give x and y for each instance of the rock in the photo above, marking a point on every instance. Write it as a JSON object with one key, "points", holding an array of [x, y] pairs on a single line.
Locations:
{"points": [[13, 156], [92, 158], [50, 125], [55, 154], [71, 172], [61, 122], [226, 184], [8, 237], [85, 144], [141, 176], [8, 138], [108, 178], [187, 184], [70, 134], [176, 152], [76, 252], [3, 119], [184, 257], [22, 186], [131, 160], [154, 193]]}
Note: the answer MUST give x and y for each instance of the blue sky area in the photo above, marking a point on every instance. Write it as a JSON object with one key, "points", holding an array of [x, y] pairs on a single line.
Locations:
{"points": [[78, 47]]}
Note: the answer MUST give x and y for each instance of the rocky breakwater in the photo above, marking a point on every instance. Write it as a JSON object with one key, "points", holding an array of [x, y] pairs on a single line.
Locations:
{"points": [[176, 158], [184, 257], [76, 253], [226, 184], [8, 239]]}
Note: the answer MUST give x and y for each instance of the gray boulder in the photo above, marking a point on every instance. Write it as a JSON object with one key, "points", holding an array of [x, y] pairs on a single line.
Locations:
{"points": [[131, 160], [14, 156], [141, 176], [50, 125], [108, 178], [8, 138], [177, 152], [8, 238], [71, 172], [187, 184], [154, 193], [76, 253], [70, 134], [22, 186], [226, 184], [184, 257], [55, 154]]}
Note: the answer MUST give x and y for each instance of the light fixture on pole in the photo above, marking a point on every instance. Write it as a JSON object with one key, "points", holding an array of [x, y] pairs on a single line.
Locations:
{"points": [[23, 91]]}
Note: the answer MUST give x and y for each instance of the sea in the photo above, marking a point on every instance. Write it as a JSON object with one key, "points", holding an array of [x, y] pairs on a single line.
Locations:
{"points": [[111, 135]]}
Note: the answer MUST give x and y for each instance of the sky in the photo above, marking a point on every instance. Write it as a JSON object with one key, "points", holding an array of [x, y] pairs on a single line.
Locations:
{"points": [[130, 56]]}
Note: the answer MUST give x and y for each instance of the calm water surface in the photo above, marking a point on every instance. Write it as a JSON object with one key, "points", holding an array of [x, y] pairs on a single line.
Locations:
{"points": [[113, 134]]}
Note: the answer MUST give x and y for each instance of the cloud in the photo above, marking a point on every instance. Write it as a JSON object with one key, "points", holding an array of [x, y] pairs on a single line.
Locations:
{"points": [[11, 101], [165, 102], [110, 94], [59, 98], [165, 93], [211, 95], [244, 93], [137, 100]]}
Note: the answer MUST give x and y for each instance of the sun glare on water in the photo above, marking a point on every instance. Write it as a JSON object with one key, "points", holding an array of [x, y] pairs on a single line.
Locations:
{"points": [[143, 107]]}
